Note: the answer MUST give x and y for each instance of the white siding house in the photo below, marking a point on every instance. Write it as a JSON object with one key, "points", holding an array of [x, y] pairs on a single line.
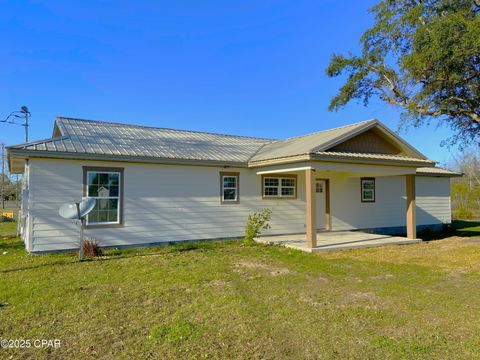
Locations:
{"points": [[159, 201]]}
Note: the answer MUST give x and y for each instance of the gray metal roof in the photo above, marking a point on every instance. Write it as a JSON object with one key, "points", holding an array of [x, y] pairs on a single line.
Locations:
{"points": [[324, 140], [366, 156], [437, 171], [114, 139], [90, 139]]}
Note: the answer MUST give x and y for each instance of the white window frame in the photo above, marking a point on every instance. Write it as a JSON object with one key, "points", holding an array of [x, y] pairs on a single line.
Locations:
{"points": [[279, 187], [118, 197], [362, 190], [223, 176]]}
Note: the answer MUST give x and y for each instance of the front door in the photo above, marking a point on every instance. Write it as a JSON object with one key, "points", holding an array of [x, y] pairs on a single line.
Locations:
{"points": [[320, 193]]}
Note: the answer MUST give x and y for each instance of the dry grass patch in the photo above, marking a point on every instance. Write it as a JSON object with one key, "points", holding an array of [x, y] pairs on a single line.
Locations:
{"points": [[454, 254]]}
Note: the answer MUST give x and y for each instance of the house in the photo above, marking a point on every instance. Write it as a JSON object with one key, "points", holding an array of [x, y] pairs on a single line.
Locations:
{"points": [[157, 185]]}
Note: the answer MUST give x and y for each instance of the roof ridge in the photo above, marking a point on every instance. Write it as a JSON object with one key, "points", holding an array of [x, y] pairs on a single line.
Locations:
{"points": [[163, 128], [327, 130]]}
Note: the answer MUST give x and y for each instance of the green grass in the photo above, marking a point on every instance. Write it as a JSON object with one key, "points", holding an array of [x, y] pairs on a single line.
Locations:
{"points": [[211, 300], [8, 229], [467, 227]]}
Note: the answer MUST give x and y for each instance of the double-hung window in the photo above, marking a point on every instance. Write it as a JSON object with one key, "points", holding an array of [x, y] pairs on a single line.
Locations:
{"points": [[229, 187], [105, 185], [279, 187], [368, 189]]}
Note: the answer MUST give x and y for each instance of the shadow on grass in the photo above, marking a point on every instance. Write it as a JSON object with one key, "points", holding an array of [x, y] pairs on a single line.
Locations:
{"points": [[168, 248], [462, 228], [8, 244]]}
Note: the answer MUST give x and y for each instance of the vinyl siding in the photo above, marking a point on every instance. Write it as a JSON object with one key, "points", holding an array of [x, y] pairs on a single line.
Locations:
{"points": [[388, 210], [164, 203], [433, 200], [349, 212]]}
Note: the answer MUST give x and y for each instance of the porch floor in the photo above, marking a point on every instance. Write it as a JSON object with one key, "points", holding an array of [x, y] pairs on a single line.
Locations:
{"points": [[336, 240]]}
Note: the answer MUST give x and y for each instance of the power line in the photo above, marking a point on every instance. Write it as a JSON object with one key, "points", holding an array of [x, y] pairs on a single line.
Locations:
{"points": [[24, 114]]}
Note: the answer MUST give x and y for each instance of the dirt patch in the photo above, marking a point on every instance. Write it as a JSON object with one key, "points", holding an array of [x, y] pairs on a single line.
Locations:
{"points": [[365, 300], [215, 283], [252, 265]]}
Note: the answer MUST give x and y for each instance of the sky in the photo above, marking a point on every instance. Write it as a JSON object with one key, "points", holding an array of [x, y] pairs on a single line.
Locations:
{"points": [[254, 68]]}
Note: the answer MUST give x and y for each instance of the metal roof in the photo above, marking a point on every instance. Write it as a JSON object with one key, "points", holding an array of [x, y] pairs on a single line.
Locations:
{"points": [[90, 139], [437, 171], [356, 155], [115, 139], [324, 140]]}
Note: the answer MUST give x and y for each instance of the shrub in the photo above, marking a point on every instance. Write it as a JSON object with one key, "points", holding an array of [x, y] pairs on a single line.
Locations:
{"points": [[463, 213], [91, 248], [256, 222]]}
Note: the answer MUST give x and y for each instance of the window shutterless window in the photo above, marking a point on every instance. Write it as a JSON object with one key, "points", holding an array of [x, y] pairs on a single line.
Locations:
{"points": [[106, 186], [279, 186], [229, 187], [367, 189]]}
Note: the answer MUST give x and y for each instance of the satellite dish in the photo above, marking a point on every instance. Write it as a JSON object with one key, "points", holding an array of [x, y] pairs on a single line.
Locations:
{"points": [[78, 211], [70, 211]]}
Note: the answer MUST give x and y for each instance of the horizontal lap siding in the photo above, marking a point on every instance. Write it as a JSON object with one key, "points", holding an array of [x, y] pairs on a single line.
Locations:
{"points": [[171, 203], [433, 200], [161, 203], [349, 212], [389, 208]]}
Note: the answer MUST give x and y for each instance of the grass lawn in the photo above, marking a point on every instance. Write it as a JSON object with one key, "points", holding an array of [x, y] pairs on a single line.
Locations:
{"points": [[7, 229], [225, 300]]}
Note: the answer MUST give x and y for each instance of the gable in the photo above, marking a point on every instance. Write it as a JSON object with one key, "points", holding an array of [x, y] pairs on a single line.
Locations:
{"points": [[371, 142]]}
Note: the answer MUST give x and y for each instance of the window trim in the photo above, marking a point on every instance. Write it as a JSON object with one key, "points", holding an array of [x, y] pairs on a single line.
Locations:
{"points": [[279, 176], [229, 174], [374, 190], [86, 170]]}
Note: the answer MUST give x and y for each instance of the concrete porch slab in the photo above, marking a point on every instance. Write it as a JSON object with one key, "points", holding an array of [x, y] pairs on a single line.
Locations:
{"points": [[336, 240]]}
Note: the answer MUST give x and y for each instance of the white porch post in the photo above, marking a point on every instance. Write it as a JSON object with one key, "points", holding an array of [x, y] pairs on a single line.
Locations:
{"points": [[411, 207], [311, 222]]}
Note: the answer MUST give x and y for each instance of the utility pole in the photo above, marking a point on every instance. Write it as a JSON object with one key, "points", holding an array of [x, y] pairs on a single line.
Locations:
{"points": [[26, 113], [3, 176], [16, 192]]}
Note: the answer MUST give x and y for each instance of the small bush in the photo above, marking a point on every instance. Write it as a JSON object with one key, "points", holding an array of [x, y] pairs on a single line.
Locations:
{"points": [[256, 222], [91, 248], [6, 219]]}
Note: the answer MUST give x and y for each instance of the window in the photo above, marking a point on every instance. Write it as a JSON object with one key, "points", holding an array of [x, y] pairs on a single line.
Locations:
{"points": [[319, 187], [279, 187], [229, 185], [105, 185], [368, 189]]}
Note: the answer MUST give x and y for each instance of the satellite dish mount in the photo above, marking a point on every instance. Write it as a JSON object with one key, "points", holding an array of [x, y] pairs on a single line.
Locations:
{"points": [[78, 211]]}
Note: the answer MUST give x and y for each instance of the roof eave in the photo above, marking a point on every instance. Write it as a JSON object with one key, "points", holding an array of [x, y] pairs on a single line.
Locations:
{"points": [[447, 175], [343, 159], [119, 158]]}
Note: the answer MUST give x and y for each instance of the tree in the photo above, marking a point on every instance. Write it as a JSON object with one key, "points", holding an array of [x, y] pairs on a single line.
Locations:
{"points": [[420, 56]]}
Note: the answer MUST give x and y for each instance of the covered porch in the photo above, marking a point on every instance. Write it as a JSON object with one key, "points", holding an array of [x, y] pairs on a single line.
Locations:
{"points": [[321, 218], [335, 240]]}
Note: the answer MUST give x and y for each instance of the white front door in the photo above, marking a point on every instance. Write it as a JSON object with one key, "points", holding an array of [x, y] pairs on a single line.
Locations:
{"points": [[320, 191]]}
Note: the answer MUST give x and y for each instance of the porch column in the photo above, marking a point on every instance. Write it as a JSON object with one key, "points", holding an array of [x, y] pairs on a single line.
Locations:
{"points": [[310, 208], [411, 207]]}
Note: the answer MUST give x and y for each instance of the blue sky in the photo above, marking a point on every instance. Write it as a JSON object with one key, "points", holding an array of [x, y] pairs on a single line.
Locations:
{"points": [[238, 67]]}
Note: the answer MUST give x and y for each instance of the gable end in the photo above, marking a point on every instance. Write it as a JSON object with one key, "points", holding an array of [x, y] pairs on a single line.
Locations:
{"points": [[371, 141]]}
